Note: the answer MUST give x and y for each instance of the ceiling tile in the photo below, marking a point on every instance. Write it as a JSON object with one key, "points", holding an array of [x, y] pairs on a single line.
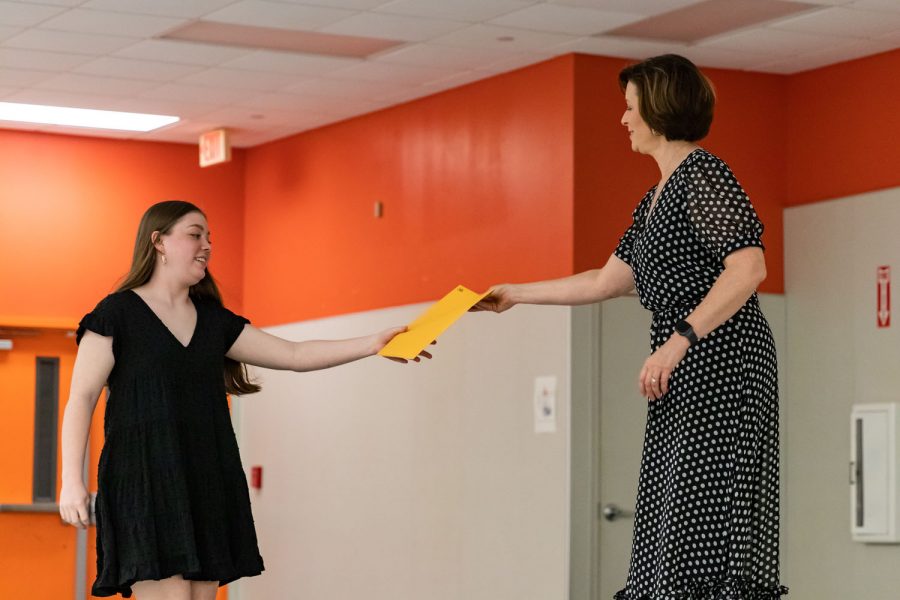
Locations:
{"points": [[236, 117], [76, 100], [486, 36], [100, 21], [270, 101], [69, 3], [398, 74], [523, 59], [766, 40], [38, 60], [278, 14], [403, 95], [721, 58], [566, 19], [348, 4], [393, 27], [21, 77], [824, 57], [67, 41], [455, 81], [288, 62], [643, 7], [238, 79], [472, 11], [89, 84], [451, 57], [197, 93], [126, 68], [182, 52], [335, 106], [843, 22], [340, 88], [144, 105], [191, 9], [882, 5], [8, 32], [619, 46], [19, 14]]}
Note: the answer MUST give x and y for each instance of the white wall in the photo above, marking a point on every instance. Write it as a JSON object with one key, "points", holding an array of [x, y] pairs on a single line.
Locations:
{"points": [[413, 482], [836, 357]]}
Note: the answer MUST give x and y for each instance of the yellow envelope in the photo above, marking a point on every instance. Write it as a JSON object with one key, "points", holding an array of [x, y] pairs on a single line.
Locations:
{"points": [[432, 323]]}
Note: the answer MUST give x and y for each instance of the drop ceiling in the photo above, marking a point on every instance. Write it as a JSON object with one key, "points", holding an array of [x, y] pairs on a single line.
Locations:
{"points": [[123, 55]]}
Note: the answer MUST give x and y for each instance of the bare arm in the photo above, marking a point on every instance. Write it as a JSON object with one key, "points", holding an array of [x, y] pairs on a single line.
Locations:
{"points": [[261, 349], [744, 270], [93, 364], [613, 280]]}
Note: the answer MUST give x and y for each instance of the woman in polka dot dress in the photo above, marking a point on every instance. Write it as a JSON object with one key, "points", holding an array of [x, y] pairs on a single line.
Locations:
{"points": [[706, 524]]}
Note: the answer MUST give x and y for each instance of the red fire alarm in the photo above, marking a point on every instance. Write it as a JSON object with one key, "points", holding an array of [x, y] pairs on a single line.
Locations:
{"points": [[256, 477]]}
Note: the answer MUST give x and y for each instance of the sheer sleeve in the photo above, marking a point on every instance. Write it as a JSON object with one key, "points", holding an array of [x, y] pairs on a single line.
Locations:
{"points": [[626, 242], [101, 320], [719, 209]]}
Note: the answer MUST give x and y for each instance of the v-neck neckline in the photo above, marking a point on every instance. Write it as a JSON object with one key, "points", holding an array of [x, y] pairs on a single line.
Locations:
{"points": [[166, 327], [653, 206]]}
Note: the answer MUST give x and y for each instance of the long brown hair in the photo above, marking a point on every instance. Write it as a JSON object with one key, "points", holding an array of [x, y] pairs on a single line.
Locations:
{"points": [[162, 217]]}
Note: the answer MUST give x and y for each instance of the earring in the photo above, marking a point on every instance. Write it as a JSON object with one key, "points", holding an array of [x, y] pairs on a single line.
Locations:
{"points": [[164, 258]]}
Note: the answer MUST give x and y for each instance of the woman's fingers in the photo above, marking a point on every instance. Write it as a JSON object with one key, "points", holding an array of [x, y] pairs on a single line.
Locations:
{"points": [[84, 516], [653, 382]]}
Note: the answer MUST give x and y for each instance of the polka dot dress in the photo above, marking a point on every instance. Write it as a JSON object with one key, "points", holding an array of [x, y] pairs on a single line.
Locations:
{"points": [[706, 522]]}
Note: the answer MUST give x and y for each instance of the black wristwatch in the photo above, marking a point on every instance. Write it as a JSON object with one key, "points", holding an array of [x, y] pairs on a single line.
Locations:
{"points": [[684, 328]]}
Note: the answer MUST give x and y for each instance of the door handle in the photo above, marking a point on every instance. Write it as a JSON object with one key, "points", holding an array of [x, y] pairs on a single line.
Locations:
{"points": [[611, 512]]}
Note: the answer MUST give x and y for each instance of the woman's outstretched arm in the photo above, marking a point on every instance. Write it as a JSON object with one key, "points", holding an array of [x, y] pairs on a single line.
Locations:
{"points": [[613, 280], [261, 349]]}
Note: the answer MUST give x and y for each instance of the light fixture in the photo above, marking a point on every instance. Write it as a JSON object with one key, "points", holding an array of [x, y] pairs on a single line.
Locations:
{"points": [[83, 117]]}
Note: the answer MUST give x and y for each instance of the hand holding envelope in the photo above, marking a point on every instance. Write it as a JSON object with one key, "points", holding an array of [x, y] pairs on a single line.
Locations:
{"points": [[430, 324]]}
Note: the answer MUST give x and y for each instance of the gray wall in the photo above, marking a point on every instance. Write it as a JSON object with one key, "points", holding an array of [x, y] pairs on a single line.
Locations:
{"points": [[412, 482], [836, 357]]}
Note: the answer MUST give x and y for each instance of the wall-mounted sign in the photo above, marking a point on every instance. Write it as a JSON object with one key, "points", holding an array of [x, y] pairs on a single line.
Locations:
{"points": [[884, 296], [215, 147]]}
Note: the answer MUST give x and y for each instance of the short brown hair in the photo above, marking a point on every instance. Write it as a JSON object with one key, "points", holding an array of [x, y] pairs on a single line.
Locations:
{"points": [[674, 98]]}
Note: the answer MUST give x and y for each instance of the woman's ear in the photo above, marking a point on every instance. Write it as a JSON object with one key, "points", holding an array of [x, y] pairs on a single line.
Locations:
{"points": [[156, 241]]}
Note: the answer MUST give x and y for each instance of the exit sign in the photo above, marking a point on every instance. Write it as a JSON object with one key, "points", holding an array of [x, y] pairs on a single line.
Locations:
{"points": [[215, 148]]}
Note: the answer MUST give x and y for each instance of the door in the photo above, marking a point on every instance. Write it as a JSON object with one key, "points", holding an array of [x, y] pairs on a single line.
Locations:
{"points": [[609, 345], [624, 346]]}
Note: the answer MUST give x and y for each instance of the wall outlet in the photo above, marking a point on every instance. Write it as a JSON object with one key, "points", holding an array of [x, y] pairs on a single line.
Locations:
{"points": [[545, 404]]}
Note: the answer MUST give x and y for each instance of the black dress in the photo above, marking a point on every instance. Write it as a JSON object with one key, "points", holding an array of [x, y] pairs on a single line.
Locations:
{"points": [[172, 496], [706, 520]]}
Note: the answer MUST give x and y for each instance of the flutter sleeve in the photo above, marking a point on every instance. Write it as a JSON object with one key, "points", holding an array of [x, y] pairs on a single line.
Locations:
{"points": [[720, 211], [233, 325], [102, 320], [626, 242]]}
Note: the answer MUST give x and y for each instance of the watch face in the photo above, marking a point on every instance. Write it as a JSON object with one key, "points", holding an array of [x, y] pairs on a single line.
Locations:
{"points": [[682, 327]]}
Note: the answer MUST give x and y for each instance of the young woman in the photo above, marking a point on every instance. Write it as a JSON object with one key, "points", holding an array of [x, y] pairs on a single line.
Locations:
{"points": [[706, 524], [172, 508]]}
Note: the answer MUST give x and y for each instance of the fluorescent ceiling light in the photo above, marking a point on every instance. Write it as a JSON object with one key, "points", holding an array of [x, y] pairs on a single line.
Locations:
{"points": [[83, 117]]}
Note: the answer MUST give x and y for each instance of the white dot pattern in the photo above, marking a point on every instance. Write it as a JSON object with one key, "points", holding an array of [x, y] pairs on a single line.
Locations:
{"points": [[706, 522]]}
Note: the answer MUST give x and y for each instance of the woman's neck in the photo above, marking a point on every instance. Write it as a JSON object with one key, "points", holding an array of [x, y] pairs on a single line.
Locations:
{"points": [[167, 292], [671, 154]]}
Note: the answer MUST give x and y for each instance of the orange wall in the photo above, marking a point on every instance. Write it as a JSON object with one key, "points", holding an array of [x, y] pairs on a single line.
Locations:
{"points": [[476, 184], [843, 129], [69, 210], [41, 540]]}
